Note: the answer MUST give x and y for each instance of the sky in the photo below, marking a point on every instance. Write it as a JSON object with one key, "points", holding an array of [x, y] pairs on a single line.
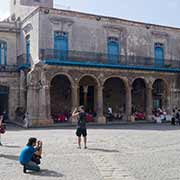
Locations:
{"points": [[163, 12]]}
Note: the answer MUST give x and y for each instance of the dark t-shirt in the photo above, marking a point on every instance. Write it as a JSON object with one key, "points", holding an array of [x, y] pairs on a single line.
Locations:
{"points": [[81, 120]]}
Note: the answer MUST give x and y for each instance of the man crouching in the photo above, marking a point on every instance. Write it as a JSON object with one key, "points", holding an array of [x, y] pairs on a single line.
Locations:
{"points": [[31, 154]]}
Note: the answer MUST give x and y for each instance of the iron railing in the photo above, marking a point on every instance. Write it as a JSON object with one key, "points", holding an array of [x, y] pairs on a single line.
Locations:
{"points": [[102, 58], [8, 68]]}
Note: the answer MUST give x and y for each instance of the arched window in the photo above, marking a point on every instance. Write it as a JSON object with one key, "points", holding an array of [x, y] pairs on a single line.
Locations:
{"points": [[3, 52], [159, 54], [113, 50]]}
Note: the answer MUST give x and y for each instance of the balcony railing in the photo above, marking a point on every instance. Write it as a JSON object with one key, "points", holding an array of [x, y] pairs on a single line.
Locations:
{"points": [[102, 58], [8, 68]]}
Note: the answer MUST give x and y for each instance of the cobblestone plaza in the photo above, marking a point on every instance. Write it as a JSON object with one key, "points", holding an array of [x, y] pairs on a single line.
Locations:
{"points": [[53, 60], [122, 152]]}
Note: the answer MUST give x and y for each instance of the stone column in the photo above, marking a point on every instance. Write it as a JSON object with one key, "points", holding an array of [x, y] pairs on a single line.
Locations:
{"points": [[100, 117], [44, 106], [32, 104], [128, 104], [44, 101], [38, 100], [13, 102], [75, 103], [85, 91], [168, 104], [149, 103]]}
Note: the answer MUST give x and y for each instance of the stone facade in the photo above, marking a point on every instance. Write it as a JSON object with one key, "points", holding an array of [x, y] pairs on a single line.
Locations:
{"points": [[93, 83]]}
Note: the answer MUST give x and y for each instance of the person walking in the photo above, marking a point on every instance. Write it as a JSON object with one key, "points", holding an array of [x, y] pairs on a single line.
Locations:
{"points": [[30, 155], [81, 125]]}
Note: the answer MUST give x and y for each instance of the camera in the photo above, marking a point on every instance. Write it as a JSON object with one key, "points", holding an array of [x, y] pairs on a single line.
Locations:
{"points": [[39, 143]]}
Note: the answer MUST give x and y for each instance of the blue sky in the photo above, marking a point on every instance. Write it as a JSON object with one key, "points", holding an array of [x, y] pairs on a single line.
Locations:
{"points": [[164, 12]]}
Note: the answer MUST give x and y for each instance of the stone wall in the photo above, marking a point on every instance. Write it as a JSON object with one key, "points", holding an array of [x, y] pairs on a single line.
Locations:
{"points": [[90, 33], [11, 80], [30, 27], [10, 39]]}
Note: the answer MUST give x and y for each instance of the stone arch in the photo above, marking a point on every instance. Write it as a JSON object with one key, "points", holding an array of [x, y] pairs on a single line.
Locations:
{"points": [[139, 77], [166, 84], [61, 73], [138, 94], [124, 79], [60, 97], [89, 75], [114, 96]]}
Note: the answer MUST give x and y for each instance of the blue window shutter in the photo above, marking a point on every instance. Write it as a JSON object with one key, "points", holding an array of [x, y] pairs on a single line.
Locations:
{"points": [[113, 51], [159, 55], [61, 44], [3, 53]]}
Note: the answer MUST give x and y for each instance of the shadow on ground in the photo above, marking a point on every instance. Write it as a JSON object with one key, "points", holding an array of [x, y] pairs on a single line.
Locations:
{"points": [[11, 146], [10, 157], [103, 150], [47, 173]]}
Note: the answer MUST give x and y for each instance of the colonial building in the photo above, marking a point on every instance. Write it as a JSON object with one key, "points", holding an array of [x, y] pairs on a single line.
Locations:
{"points": [[53, 60]]}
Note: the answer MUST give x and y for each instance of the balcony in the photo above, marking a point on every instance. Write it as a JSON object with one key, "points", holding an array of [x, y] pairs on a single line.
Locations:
{"points": [[79, 58]]}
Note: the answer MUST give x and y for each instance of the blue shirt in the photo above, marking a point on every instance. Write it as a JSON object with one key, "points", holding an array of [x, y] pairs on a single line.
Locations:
{"points": [[26, 154]]}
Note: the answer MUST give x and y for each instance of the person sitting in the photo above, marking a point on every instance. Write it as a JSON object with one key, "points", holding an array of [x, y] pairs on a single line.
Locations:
{"points": [[31, 154]]}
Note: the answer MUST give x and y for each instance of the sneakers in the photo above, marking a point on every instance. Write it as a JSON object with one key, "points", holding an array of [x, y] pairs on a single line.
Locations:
{"points": [[24, 169]]}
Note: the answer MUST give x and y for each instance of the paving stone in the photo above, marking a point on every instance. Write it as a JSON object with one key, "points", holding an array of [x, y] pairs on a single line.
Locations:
{"points": [[126, 152]]}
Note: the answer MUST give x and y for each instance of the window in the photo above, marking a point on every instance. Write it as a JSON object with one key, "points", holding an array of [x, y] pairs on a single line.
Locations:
{"points": [[159, 54], [113, 50], [3, 53], [28, 49], [61, 44]]}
